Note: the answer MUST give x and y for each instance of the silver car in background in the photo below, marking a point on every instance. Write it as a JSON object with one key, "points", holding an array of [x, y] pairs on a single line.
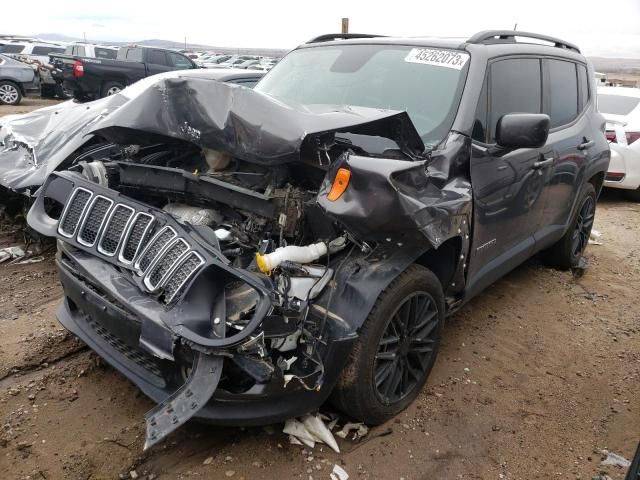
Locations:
{"points": [[17, 79]]}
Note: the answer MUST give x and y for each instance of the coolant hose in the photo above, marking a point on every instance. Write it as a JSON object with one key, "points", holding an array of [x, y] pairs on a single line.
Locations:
{"points": [[267, 263]]}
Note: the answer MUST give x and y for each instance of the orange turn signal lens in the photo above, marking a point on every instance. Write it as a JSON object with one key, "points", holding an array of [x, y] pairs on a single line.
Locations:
{"points": [[340, 184]]}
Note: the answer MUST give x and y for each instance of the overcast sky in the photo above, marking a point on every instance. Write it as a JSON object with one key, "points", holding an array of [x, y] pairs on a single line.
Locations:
{"points": [[605, 27]]}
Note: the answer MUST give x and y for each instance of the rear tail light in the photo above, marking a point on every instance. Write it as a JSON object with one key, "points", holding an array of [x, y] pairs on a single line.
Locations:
{"points": [[78, 69], [631, 136], [614, 176]]}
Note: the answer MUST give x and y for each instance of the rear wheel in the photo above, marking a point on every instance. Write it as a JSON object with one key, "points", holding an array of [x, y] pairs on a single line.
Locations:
{"points": [[9, 93], [566, 253], [111, 88], [395, 350]]}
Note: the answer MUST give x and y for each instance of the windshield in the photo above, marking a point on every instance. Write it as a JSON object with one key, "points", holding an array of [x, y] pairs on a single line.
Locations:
{"points": [[424, 82]]}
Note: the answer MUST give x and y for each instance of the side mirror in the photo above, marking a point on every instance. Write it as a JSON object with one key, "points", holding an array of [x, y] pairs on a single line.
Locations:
{"points": [[522, 130]]}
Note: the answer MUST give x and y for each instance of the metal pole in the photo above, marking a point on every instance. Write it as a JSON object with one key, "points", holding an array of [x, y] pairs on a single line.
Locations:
{"points": [[345, 25]]}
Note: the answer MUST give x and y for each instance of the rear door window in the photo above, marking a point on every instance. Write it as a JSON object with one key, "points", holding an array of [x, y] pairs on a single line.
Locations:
{"points": [[157, 57], [583, 84], [516, 87], [133, 54], [106, 53], [563, 92]]}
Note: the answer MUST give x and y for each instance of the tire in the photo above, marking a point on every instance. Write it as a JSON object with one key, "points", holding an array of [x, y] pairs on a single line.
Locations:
{"points": [[633, 195], [10, 93], [111, 88], [356, 392], [62, 94], [566, 252], [47, 91]]}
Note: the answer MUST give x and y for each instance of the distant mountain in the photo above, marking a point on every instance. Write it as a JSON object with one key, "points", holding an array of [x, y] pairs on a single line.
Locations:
{"points": [[159, 43]]}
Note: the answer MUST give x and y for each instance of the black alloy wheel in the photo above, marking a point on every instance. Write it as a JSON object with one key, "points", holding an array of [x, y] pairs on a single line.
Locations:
{"points": [[406, 348], [583, 225]]}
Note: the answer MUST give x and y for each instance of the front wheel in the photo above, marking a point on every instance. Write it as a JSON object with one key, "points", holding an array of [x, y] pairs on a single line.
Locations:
{"points": [[395, 349], [9, 93], [566, 252]]}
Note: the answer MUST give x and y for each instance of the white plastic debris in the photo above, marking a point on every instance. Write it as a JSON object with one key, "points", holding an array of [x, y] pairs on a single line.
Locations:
{"points": [[615, 459], [294, 440], [10, 253], [309, 431], [594, 236], [359, 429], [338, 473], [296, 429], [31, 260], [319, 431]]}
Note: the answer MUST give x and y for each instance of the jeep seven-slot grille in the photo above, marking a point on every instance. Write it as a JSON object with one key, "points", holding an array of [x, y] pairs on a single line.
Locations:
{"points": [[73, 212], [135, 237], [114, 230], [189, 265], [93, 220], [165, 263], [154, 248], [164, 260]]}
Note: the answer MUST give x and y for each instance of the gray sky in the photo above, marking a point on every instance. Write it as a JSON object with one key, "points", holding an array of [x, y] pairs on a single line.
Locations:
{"points": [[600, 27]]}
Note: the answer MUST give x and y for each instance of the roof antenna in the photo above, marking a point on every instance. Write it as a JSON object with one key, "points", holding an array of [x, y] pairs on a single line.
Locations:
{"points": [[515, 27]]}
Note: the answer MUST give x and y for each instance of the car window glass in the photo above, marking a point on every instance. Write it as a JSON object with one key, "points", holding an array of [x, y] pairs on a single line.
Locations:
{"points": [[374, 76], [156, 57], [583, 80], [81, 52], [134, 54], [10, 48], [563, 92], [178, 61], [69, 50], [106, 53], [516, 87], [480, 123], [617, 104]]}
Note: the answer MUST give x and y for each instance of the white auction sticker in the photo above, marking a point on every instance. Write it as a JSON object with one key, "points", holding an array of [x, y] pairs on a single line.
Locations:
{"points": [[440, 58]]}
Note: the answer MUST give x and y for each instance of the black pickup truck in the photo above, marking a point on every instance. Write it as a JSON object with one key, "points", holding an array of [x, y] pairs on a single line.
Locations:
{"points": [[92, 78]]}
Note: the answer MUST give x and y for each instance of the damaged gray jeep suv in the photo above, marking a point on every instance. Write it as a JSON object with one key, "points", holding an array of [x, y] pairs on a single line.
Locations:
{"points": [[245, 255]]}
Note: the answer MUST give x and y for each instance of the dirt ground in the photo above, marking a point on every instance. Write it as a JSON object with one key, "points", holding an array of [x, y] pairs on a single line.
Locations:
{"points": [[536, 376]]}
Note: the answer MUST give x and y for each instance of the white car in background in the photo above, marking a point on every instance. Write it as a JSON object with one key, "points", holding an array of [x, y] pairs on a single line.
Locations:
{"points": [[38, 50], [621, 108]]}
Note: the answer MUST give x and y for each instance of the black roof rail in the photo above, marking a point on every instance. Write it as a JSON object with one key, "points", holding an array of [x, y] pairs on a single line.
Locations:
{"points": [[329, 37], [509, 36]]}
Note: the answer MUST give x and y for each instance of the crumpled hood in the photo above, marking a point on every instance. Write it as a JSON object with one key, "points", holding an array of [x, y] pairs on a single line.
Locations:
{"points": [[33, 145], [212, 114], [249, 125]]}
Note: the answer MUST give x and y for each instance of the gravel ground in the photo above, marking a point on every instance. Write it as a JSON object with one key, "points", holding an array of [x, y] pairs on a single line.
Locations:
{"points": [[535, 377]]}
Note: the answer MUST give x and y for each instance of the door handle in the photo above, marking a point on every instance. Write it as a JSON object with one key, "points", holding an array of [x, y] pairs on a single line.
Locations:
{"points": [[542, 163], [586, 144]]}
